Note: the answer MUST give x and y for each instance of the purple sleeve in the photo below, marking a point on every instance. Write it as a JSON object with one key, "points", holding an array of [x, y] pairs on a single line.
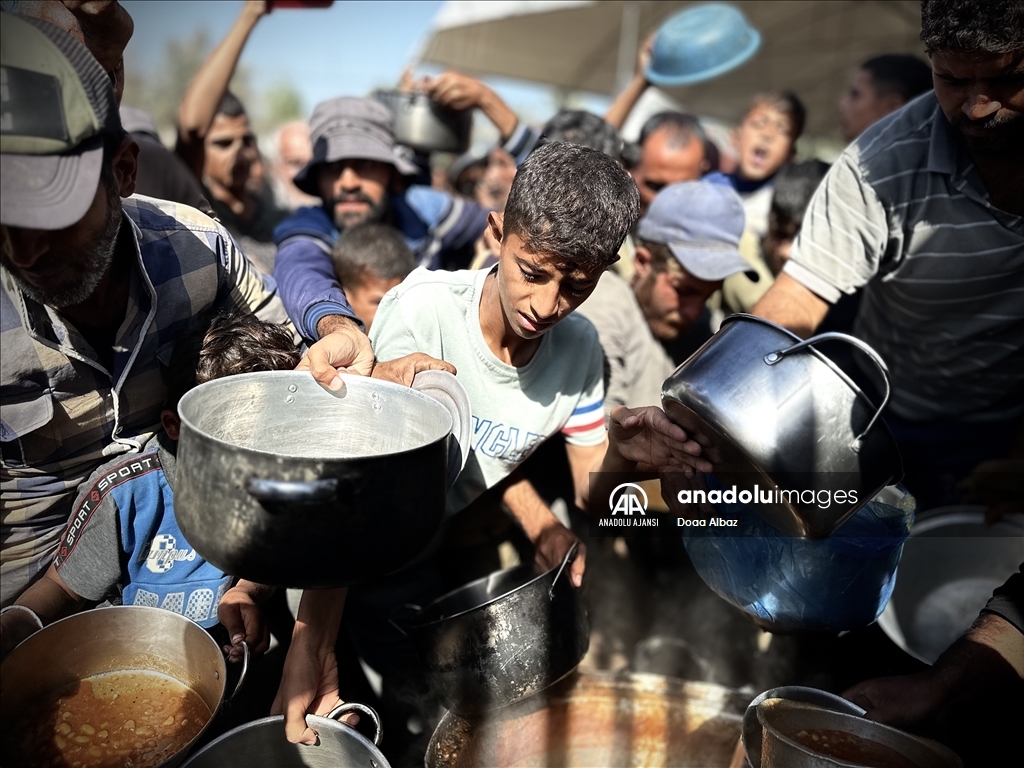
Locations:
{"points": [[304, 272]]}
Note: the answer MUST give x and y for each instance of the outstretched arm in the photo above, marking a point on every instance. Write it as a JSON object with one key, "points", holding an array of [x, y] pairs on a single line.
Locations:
{"points": [[625, 101], [210, 83]]}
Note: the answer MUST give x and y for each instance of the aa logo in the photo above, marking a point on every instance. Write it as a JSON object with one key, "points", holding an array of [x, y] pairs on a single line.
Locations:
{"points": [[628, 499]]}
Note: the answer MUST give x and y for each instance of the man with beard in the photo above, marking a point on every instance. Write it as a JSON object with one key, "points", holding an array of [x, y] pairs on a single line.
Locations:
{"points": [[686, 246], [360, 176], [924, 213]]}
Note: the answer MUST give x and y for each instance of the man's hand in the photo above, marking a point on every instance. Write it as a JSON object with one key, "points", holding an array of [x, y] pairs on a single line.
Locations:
{"points": [[552, 545], [457, 91], [404, 369], [242, 617], [645, 440], [900, 701], [343, 348]]}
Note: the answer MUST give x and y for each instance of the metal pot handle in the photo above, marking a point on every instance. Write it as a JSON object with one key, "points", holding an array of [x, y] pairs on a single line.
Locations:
{"points": [[569, 556], [447, 390], [241, 677], [773, 357], [292, 491], [363, 709]]}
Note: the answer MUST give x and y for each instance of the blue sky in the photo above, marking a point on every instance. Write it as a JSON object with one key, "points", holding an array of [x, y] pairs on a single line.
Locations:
{"points": [[348, 49]]}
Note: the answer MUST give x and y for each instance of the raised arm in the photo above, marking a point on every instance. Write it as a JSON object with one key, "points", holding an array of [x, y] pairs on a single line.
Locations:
{"points": [[463, 92], [625, 101], [210, 83]]}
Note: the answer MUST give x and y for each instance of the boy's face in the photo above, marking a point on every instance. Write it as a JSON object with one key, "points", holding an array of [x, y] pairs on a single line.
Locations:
{"points": [[863, 105], [537, 290], [365, 296], [765, 142], [778, 241]]}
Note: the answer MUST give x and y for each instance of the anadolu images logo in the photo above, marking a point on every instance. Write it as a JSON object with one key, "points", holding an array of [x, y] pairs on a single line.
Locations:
{"points": [[626, 498]]}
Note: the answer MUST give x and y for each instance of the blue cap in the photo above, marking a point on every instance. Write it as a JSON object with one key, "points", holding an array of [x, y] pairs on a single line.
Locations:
{"points": [[701, 43], [701, 223]]}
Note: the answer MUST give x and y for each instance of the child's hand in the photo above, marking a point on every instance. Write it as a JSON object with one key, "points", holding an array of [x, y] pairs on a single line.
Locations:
{"points": [[404, 369], [551, 547], [647, 439], [243, 619]]}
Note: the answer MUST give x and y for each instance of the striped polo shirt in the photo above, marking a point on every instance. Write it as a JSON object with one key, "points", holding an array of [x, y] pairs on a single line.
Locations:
{"points": [[62, 412], [904, 215]]}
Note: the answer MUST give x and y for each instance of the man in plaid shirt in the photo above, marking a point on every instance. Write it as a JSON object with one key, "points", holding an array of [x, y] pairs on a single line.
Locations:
{"points": [[93, 289]]}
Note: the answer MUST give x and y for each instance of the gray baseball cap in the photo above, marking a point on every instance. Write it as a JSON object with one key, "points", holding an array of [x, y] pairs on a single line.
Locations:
{"points": [[58, 104], [701, 222], [351, 128]]}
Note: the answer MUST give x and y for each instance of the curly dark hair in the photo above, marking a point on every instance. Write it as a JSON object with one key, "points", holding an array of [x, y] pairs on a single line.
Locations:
{"points": [[991, 26], [222, 343], [572, 202]]}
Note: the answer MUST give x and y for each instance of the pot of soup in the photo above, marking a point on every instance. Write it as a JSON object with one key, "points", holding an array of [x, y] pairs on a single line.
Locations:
{"points": [[119, 686], [800, 735]]}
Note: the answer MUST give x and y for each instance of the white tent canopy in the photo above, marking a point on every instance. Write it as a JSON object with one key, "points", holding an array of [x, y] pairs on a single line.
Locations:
{"points": [[809, 46]]}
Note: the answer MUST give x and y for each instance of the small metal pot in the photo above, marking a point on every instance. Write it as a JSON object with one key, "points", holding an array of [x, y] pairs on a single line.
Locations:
{"points": [[262, 742], [287, 483], [114, 639], [498, 640], [780, 719], [777, 413], [424, 125]]}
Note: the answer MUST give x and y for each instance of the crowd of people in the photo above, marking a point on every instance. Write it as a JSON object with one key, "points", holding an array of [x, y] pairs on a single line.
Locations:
{"points": [[563, 276]]}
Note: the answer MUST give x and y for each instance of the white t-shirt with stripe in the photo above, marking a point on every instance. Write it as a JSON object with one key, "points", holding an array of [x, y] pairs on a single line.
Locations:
{"points": [[514, 409]]}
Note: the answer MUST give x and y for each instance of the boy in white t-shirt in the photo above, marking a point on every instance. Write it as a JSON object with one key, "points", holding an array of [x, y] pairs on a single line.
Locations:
{"points": [[530, 366]]}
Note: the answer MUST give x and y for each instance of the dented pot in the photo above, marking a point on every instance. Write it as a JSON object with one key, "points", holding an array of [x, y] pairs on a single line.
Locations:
{"points": [[500, 639]]}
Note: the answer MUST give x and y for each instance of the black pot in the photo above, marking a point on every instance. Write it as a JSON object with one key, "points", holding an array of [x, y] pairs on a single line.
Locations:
{"points": [[500, 639], [287, 483]]}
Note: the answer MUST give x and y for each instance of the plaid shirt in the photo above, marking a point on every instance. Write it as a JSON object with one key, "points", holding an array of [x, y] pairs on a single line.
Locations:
{"points": [[62, 413]]}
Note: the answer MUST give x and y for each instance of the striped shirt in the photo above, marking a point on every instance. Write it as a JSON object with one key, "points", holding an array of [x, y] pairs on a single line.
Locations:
{"points": [[62, 413], [904, 214]]}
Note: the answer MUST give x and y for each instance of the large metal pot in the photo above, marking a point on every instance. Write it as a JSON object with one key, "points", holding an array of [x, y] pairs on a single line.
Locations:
{"points": [[777, 413], [781, 720], [263, 743], [114, 639], [501, 639], [424, 125], [287, 483], [950, 565], [603, 720]]}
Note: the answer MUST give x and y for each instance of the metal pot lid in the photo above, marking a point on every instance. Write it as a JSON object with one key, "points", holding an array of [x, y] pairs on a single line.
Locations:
{"points": [[752, 732]]}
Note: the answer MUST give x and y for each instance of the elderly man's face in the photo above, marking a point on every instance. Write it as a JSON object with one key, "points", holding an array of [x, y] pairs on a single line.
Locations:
{"points": [[982, 95], [294, 148], [355, 190], [671, 298], [231, 153], [664, 160]]}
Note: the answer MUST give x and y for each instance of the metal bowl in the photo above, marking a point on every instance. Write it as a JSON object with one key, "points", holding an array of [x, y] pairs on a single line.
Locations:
{"points": [[424, 125], [951, 563], [752, 731], [782, 719]]}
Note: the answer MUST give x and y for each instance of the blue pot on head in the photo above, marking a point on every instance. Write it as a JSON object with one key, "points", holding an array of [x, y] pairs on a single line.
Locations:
{"points": [[701, 43]]}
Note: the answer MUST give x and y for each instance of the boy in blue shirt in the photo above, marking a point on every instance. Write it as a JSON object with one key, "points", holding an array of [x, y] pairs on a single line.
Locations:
{"points": [[123, 542]]}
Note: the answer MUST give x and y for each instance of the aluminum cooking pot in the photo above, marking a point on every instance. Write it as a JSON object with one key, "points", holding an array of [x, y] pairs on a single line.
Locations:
{"points": [[599, 720], [287, 483], [503, 638], [950, 565], [263, 743], [777, 413], [781, 720], [115, 639], [424, 125]]}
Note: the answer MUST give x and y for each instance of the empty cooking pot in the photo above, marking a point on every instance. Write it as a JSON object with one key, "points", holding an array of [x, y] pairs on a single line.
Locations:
{"points": [[424, 125], [498, 640], [285, 482], [776, 413], [262, 742]]}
